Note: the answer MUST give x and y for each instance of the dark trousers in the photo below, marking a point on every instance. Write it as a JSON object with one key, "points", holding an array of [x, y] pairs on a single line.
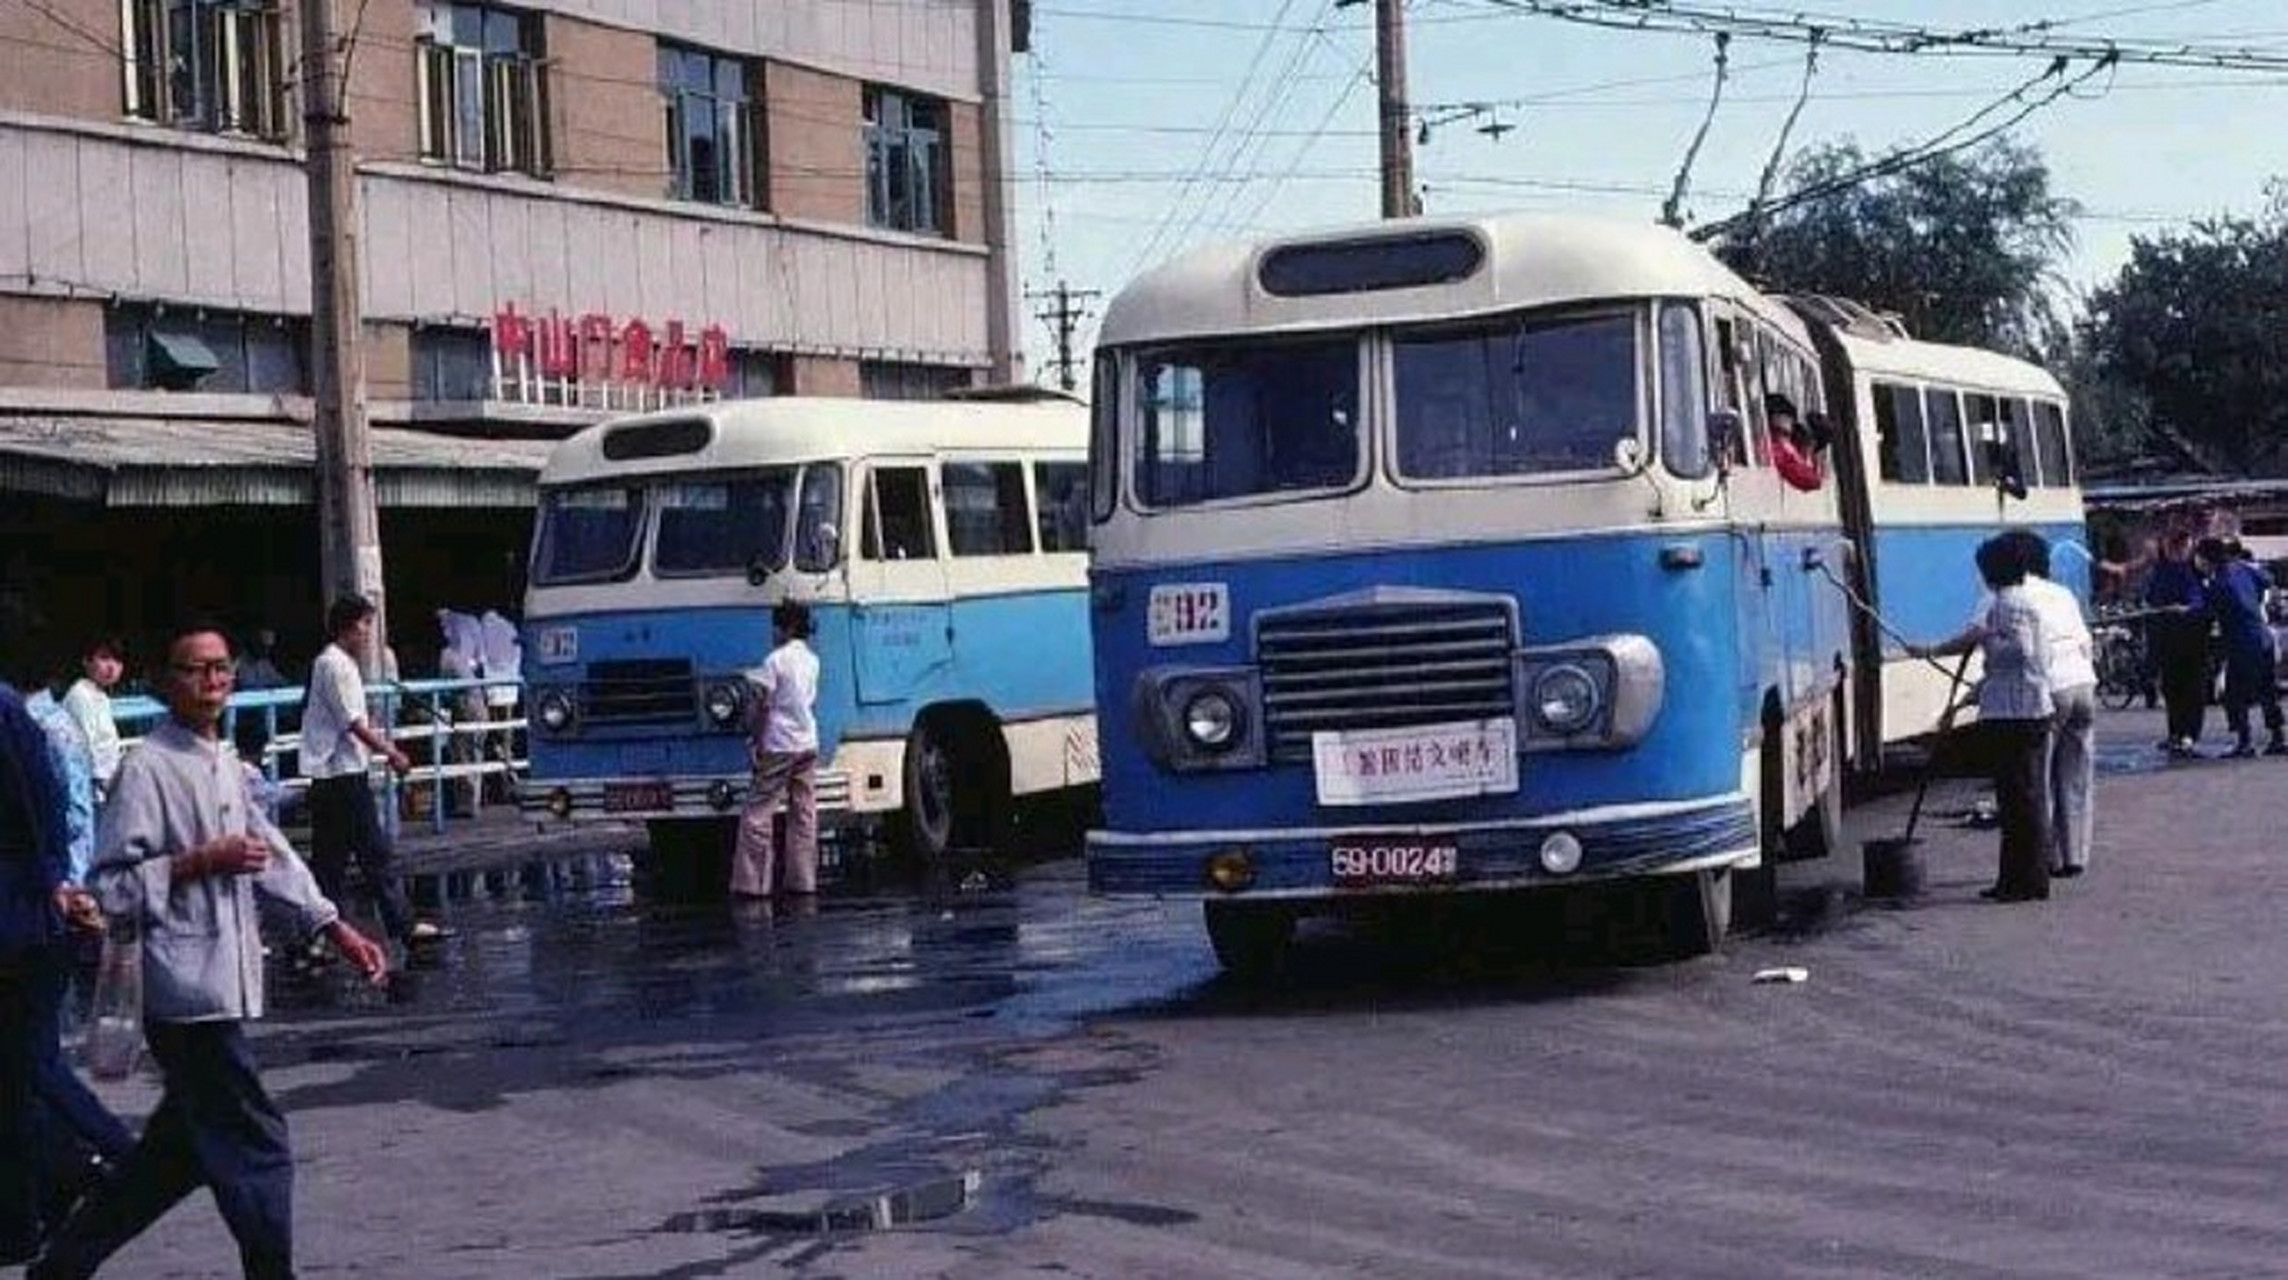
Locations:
{"points": [[215, 1127], [19, 1142], [2250, 680], [2184, 667], [71, 1120], [2021, 791], [344, 825]]}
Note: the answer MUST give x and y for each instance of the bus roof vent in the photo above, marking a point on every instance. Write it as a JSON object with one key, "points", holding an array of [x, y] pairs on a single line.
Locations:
{"points": [[1847, 316], [1368, 263], [657, 439]]}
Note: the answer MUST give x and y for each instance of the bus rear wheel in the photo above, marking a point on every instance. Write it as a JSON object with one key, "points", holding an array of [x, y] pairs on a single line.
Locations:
{"points": [[953, 797], [1251, 939]]}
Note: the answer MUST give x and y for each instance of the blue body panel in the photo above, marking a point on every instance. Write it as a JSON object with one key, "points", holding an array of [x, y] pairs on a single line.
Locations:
{"points": [[1926, 579], [1752, 618]]}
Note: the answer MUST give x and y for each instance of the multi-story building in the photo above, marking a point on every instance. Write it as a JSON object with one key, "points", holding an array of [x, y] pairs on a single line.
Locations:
{"points": [[564, 208]]}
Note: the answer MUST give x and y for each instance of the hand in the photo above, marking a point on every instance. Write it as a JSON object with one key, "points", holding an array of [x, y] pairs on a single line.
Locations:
{"points": [[78, 908], [399, 762], [364, 954], [236, 855]]}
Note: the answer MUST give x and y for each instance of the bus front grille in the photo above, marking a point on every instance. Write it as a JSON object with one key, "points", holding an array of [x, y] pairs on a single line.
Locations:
{"points": [[1381, 666], [648, 691]]}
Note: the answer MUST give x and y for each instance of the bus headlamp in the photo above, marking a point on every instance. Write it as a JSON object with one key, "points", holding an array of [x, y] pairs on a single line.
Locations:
{"points": [[1212, 720], [1565, 698], [724, 702], [555, 710]]}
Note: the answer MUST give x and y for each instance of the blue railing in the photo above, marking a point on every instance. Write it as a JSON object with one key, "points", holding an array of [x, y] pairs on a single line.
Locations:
{"points": [[455, 734]]}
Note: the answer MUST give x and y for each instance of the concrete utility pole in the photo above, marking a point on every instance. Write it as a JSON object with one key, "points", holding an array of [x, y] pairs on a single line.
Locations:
{"points": [[349, 525], [1390, 86], [1065, 317]]}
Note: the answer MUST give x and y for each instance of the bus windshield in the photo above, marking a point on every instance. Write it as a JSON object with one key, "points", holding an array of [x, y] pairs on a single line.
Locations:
{"points": [[587, 534], [713, 525], [1228, 421], [1523, 396]]}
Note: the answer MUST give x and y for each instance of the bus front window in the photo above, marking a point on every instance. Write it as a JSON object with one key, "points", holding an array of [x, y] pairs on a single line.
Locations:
{"points": [[1537, 396], [723, 526], [818, 519], [1217, 422], [587, 534]]}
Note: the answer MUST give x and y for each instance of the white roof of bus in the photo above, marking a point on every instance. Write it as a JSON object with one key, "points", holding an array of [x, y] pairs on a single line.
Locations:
{"points": [[1972, 367], [785, 429], [1532, 260]]}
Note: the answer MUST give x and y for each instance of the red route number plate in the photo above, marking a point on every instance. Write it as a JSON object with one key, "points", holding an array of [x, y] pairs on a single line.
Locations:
{"points": [[1372, 862], [638, 797]]}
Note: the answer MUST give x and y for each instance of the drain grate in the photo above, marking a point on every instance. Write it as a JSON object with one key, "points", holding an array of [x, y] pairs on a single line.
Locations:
{"points": [[840, 1212]]}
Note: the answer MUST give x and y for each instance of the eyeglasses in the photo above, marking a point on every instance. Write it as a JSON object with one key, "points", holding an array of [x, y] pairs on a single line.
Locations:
{"points": [[219, 667]]}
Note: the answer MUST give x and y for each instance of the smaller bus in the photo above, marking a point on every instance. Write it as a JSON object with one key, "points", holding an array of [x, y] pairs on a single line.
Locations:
{"points": [[942, 549]]}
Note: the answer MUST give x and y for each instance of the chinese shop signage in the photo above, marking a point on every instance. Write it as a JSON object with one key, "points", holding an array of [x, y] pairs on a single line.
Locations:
{"points": [[598, 358]]}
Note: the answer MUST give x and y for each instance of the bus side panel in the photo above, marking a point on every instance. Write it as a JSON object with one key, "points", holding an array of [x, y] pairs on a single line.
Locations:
{"points": [[1566, 590]]}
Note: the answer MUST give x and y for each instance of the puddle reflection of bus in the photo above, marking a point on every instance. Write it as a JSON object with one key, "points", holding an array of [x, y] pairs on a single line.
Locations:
{"points": [[941, 548], [1467, 556]]}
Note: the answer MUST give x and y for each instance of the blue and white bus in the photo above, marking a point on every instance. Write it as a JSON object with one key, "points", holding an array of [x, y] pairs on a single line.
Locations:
{"points": [[941, 546], [1452, 555]]}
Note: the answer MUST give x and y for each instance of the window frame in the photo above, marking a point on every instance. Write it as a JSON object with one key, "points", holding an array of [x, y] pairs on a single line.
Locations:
{"points": [[747, 166], [870, 526], [1960, 478], [657, 519], [1368, 357], [235, 68], [1037, 477], [1000, 470], [508, 91], [890, 138], [638, 554], [1882, 394]]}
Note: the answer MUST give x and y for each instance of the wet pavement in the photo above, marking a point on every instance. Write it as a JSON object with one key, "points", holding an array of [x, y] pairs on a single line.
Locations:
{"points": [[931, 1079]]}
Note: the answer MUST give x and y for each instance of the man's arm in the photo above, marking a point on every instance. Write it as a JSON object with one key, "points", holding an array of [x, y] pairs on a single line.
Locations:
{"points": [[380, 744]]}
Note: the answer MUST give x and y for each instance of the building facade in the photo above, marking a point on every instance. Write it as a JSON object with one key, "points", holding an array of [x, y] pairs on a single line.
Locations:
{"points": [[565, 208]]}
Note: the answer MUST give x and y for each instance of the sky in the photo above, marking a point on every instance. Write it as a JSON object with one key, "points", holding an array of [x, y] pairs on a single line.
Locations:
{"points": [[1121, 162]]}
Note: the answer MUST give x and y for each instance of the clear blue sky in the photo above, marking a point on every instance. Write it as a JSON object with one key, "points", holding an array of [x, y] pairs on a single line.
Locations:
{"points": [[1121, 100]]}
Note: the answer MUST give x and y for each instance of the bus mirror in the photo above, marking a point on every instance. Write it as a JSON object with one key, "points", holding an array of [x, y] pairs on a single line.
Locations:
{"points": [[758, 571], [1629, 455], [826, 549]]}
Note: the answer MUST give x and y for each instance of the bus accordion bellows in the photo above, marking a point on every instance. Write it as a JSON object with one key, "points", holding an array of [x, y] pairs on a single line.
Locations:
{"points": [[1517, 552], [942, 548]]}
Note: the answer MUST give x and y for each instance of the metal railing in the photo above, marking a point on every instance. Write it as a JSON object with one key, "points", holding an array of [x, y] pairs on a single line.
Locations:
{"points": [[434, 712]]}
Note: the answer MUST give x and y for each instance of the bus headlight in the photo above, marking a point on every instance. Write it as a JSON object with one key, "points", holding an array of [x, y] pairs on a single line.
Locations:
{"points": [[1565, 698], [554, 709], [1212, 720], [724, 702]]}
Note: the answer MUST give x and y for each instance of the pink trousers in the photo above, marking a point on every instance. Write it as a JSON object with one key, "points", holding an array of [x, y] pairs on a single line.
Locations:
{"points": [[780, 777]]}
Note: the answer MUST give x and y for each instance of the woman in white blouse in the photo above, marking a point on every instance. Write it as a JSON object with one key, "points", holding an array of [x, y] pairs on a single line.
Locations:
{"points": [[2014, 714]]}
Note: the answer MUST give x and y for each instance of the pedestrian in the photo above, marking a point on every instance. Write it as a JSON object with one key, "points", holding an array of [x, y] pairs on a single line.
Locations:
{"points": [[258, 665], [2179, 632], [89, 702], [782, 729], [501, 662], [2014, 716], [33, 862], [2070, 776], [460, 658], [183, 857], [338, 743], [2234, 600]]}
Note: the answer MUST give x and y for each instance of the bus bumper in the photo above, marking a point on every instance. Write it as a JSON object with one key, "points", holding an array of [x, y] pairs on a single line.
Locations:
{"points": [[1613, 843], [586, 800]]}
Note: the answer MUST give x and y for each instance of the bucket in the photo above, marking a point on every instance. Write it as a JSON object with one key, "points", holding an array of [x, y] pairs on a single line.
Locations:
{"points": [[1891, 868]]}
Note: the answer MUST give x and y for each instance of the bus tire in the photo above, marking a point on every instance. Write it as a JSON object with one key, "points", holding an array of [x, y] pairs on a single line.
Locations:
{"points": [[926, 825], [1251, 939], [1699, 913], [957, 787]]}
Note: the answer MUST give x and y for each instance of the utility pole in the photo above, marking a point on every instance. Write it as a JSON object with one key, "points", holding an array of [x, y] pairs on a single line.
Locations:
{"points": [[1390, 86], [349, 526], [1064, 317]]}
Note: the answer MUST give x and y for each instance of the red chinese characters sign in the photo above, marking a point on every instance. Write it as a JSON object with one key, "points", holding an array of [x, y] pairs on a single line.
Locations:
{"points": [[594, 350]]}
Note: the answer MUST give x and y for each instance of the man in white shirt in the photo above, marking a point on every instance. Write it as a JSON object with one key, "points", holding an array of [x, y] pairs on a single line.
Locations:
{"points": [[782, 730], [2072, 771], [337, 737], [89, 703]]}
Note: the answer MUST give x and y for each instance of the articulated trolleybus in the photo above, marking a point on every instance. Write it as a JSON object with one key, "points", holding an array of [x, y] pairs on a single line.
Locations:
{"points": [[941, 546], [1455, 556]]}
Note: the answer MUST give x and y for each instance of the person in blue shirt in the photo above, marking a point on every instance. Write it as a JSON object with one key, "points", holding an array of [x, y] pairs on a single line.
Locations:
{"points": [[2234, 600], [2180, 640], [33, 860]]}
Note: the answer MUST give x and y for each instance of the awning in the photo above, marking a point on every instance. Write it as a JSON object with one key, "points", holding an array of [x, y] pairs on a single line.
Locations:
{"points": [[165, 462], [179, 360]]}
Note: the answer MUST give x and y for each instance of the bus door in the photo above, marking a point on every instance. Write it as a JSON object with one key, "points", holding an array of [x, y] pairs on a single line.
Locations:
{"points": [[1751, 497], [900, 618]]}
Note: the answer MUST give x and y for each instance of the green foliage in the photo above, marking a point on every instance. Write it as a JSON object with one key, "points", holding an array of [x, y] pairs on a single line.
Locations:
{"points": [[1962, 247], [2197, 326]]}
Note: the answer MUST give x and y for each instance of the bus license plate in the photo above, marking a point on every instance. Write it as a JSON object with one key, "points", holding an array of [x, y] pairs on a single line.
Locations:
{"points": [[1366, 861], [638, 797], [1432, 762]]}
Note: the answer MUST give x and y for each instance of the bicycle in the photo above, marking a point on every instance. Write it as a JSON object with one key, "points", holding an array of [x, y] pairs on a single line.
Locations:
{"points": [[2121, 663]]}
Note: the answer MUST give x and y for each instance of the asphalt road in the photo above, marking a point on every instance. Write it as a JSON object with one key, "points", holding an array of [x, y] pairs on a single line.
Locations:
{"points": [[589, 1087]]}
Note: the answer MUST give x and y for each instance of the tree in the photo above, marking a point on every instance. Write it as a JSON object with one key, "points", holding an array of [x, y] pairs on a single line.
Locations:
{"points": [[1962, 247], [2197, 325]]}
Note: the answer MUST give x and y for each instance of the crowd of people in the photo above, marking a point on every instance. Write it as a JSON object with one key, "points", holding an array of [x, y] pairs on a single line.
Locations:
{"points": [[2206, 599]]}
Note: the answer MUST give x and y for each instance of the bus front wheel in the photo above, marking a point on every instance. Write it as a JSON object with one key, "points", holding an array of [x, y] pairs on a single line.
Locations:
{"points": [[1251, 939], [956, 788]]}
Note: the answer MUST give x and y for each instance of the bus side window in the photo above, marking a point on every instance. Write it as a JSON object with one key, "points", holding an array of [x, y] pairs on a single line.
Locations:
{"points": [[1981, 427], [985, 510], [1944, 414], [1060, 504], [897, 522], [2050, 434], [1902, 448]]}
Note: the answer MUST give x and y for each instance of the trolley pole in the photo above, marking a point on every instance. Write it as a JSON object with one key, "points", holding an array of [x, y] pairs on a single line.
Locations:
{"points": [[349, 525]]}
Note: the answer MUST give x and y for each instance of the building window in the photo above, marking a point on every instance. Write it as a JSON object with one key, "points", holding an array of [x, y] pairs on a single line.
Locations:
{"points": [[204, 64], [712, 141], [905, 161], [888, 380], [483, 88], [755, 375], [454, 365], [149, 349]]}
